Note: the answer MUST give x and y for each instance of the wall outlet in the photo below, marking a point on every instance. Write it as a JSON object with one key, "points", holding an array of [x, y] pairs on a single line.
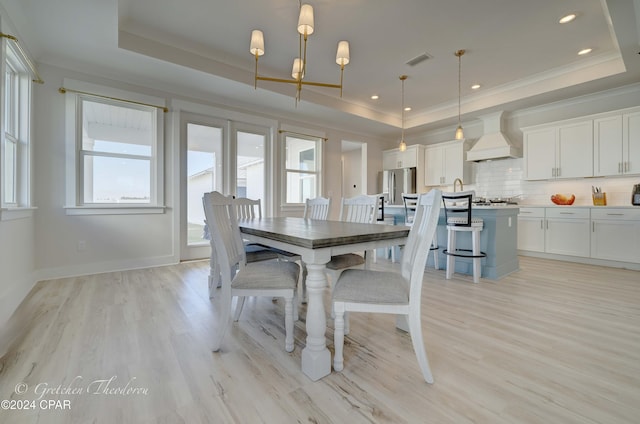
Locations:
{"points": [[82, 245]]}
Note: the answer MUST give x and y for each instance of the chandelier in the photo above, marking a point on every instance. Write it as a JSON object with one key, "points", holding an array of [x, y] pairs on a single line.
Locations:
{"points": [[305, 28]]}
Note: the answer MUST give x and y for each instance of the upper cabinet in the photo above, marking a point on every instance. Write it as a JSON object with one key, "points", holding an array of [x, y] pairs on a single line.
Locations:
{"points": [[600, 145], [444, 162], [616, 145], [559, 151], [395, 159]]}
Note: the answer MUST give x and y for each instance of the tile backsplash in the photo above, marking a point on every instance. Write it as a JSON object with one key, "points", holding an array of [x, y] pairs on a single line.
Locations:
{"points": [[504, 178]]}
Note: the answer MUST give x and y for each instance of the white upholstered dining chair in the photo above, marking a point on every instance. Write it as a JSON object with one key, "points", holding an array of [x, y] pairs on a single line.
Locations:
{"points": [[239, 278], [245, 209], [361, 290], [361, 209]]}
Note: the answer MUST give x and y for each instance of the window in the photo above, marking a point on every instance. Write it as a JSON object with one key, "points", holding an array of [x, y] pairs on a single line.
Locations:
{"points": [[302, 179], [15, 151], [118, 149]]}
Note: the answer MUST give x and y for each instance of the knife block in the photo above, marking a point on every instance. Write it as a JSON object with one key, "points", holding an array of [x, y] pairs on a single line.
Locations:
{"points": [[599, 199]]}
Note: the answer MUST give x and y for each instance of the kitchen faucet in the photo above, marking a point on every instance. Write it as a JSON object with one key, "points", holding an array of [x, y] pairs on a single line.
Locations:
{"points": [[456, 182]]}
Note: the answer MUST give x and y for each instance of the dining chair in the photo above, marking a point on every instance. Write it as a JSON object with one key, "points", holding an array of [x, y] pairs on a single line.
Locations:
{"points": [[317, 208], [410, 201], [245, 209], [362, 290], [361, 209], [239, 278]]}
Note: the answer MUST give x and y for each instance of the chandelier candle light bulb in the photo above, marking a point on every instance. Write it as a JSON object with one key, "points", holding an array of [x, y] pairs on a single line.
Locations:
{"points": [[305, 28]]}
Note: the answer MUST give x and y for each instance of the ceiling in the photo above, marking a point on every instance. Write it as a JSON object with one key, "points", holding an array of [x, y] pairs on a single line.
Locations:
{"points": [[516, 50]]}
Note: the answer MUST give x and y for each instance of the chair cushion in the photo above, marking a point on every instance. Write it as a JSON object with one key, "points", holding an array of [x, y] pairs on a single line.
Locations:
{"points": [[345, 261], [256, 253], [267, 275], [475, 222], [367, 286]]}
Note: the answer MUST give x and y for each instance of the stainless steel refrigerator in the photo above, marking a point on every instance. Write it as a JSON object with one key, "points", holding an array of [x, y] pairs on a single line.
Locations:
{"points": [[393, 182]]}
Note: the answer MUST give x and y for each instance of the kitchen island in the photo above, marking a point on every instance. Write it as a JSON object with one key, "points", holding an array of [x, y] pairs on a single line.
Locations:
{"points": [[498, 239]]}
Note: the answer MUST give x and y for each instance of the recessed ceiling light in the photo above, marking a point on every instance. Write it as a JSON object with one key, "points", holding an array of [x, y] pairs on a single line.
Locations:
{"points": [[475, 86], [584, 51], [568, 18], [375, 97], [407, 109]]}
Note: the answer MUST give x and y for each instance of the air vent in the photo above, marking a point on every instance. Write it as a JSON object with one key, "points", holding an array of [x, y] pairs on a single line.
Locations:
{"points": [[419, 59]]}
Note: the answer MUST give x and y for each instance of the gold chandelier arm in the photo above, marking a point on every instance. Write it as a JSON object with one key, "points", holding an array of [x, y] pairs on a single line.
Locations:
{"points": [[292, 81]]}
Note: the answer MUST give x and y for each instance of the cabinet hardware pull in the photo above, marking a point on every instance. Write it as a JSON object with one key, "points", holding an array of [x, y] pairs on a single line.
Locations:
{"points": [[541, 226], [566, 213], [526, 212], [547, 224], [615, 214], [558, 172], [626, 167], [619, 167], [593, 227]]}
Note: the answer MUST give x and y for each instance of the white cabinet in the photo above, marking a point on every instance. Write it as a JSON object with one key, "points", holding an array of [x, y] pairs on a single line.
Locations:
{"points": [[606, 233], [390, 159], [531, 229], [395, 159], [567, 231], [444, 162], [607, 146], [615, 234], [631, 142], [559, 151], [616, 144]]}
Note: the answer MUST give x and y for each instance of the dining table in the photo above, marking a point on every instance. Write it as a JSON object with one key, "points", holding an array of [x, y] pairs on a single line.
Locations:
{"points": [[316, 241]]}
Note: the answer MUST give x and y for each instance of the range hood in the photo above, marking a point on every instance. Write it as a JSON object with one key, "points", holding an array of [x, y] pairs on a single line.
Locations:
{"points": [[494, 144]]}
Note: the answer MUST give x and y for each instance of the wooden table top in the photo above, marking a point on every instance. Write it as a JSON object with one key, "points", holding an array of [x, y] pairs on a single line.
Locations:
{"points": [[315, 234]]}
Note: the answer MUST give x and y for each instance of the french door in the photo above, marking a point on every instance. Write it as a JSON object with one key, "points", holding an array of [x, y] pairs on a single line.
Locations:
{"points": [[218, 155]]}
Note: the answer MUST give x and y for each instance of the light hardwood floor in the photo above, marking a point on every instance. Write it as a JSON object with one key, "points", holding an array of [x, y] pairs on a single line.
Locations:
{"points": [[553, 343]]}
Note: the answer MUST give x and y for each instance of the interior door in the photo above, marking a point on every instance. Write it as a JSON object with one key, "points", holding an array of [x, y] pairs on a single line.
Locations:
{"points": [[202, 170]]}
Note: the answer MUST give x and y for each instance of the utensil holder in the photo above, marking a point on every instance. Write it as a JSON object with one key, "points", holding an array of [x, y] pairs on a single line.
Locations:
{"points": [[599, 199]]}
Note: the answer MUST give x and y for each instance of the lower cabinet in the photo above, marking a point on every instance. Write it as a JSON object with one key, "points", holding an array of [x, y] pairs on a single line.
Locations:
{"points": [[615, 234], [567, 231], [531, 229], [606, 233]]}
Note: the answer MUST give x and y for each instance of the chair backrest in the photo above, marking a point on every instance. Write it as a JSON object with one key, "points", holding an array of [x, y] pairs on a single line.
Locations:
{"points": [[458, 205], [414, 257], [410, 202], [317, 208], [361, 208], [248, 208], [226, 242]]}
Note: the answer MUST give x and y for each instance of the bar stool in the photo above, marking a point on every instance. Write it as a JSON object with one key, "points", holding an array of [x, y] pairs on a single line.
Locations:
{"points": [[410, 204], [457, 212]]}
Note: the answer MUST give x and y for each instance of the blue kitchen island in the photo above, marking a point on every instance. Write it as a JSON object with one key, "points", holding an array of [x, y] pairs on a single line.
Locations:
{"points": [[498, 239]]}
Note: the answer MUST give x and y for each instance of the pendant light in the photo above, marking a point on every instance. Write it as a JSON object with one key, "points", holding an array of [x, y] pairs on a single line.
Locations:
{"points": [[459, 133], [403, 146]]}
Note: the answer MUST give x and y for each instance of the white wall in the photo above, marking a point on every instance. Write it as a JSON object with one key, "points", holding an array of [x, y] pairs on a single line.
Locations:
{"points": [[113, 242], [16, 270]]}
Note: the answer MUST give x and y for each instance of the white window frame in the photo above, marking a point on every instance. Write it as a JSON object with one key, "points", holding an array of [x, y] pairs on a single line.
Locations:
{"points": [[18, 103], [301, 134], [75, 204]]}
